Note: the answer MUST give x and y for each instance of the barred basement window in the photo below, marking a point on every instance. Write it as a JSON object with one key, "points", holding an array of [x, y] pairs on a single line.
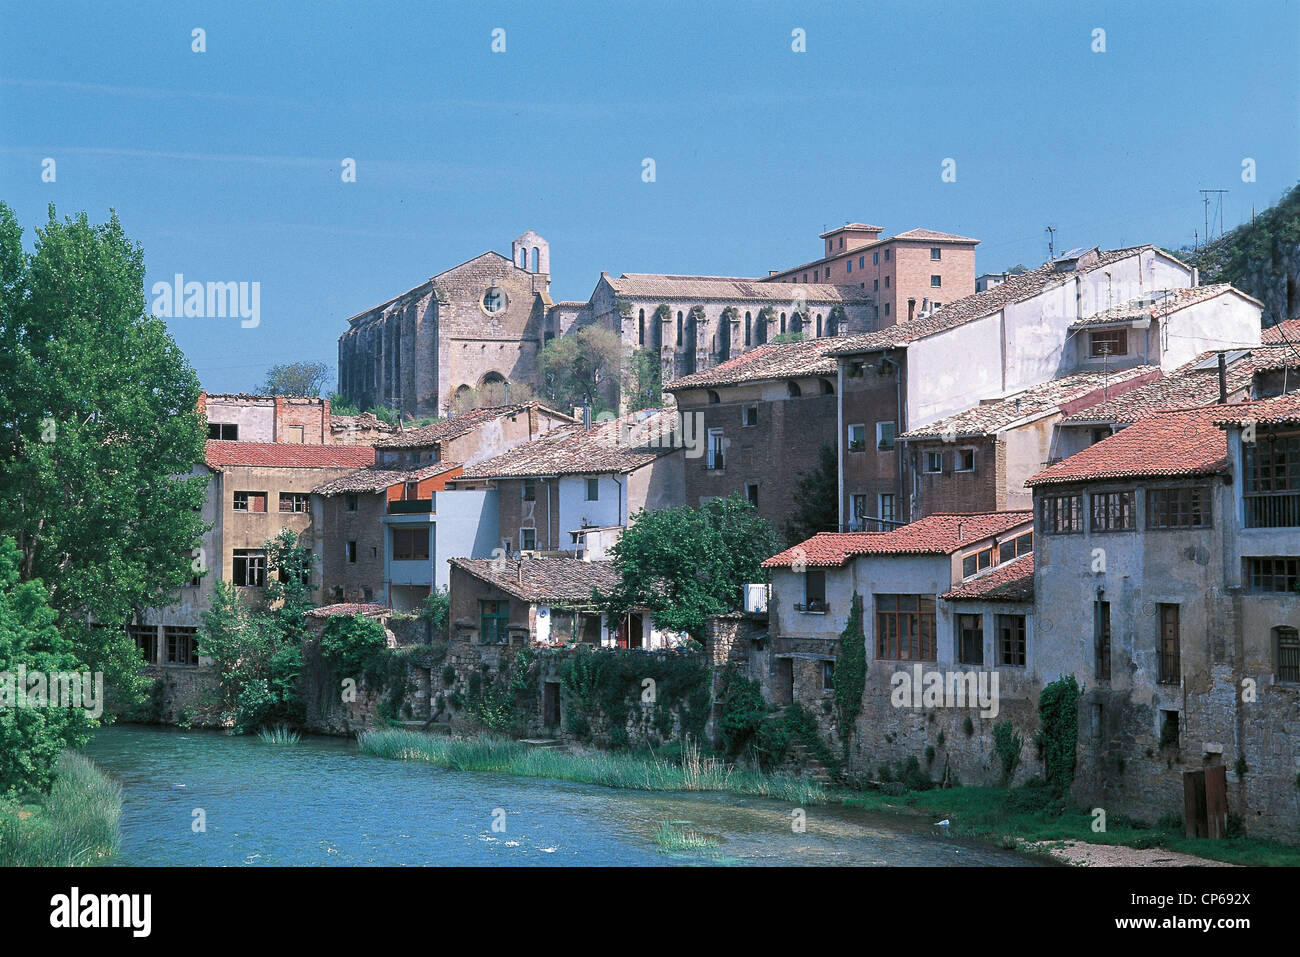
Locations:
{"points": [[1062, 514], [1286, 644], [1178, 507], [1113, 511]]}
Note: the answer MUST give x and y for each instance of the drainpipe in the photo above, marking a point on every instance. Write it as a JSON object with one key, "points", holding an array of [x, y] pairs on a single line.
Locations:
{"points": [[1223, 379], [839, 442]]}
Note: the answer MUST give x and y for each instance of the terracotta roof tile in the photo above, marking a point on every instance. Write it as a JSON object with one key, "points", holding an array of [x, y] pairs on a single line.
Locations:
{"points": [[286, 455], [1185, 387], [1155, 306], [659, 286], [1173, 443], [1067, 394], [782, 360], [455, 426], [543, 579], [614, 447], [377, 478], [349, 609], [1286, 331], [942, 533], [969, 308], [1278, 410], [1010, 581]]}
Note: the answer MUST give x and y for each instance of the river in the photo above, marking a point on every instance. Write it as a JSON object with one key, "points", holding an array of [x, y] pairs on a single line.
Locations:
{"points": [[321, 802]]}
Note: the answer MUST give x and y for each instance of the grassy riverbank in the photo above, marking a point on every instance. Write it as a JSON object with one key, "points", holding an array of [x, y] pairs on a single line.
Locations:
{"points": [[76, 824], [1019, 817], [692, 771], [1027, 819]]}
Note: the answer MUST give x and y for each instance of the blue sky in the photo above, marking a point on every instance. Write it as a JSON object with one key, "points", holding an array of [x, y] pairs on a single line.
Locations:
{"points": [[225, 165]]}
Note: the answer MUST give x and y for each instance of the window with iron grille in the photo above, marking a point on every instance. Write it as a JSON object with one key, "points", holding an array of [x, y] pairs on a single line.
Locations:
{"points": [[494, 621], [1171, 672], [1062, 514], [1178, 507], [1286, 643], [1273, 574], [1011, 640], [1113, 511], [182, 646], [905, 627], [1101, 638], [970, 639]]}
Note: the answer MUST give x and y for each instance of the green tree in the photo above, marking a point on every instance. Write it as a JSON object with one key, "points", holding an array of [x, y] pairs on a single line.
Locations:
{"points": [[583, 368], [643, 389], [816, 498], [1058, 736], [99, 434], [295, 379], [342, 405], [31, 738], [686, 563], [850, 678]]}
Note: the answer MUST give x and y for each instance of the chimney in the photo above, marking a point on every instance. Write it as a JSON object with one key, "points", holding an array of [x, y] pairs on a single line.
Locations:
{"points": [[1223, 379], [586, 416], [911, 309], [1196, 276]]}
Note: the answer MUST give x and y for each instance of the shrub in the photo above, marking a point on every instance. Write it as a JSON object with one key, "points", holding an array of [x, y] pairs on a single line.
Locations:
{"points": [[1007, 743], [1058, 710]]}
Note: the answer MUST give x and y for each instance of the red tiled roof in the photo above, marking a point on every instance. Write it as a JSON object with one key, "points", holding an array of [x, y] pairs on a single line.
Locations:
{"points": [[1173, 443], [1067, 394], [1010, 581], [780, 360], [376, 478], [568, 580], [1279, 410], [457, 425], [612, 447], [1184, 388], [1156, 305], [942, 533], [1289, 328], [286, 455]]}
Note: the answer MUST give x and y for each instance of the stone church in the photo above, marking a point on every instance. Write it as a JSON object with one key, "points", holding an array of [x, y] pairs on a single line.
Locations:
{"points": [[464, 335]]}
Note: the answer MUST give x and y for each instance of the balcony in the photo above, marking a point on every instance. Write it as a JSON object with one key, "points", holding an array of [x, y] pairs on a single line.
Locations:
{"points": [[413, 506], [1272, 509], [812, 607]]}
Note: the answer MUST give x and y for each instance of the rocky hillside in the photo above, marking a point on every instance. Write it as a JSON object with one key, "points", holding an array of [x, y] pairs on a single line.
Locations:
{"points": [[1261, 258]]}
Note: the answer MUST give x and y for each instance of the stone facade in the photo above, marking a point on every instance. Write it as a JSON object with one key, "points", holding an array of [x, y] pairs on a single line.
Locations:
{"points": [[473, 329]]}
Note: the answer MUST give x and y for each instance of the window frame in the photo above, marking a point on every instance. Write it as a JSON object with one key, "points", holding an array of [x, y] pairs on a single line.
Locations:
{"points": [[1013, 640], [1051, 513], [497, 611], [969, 640], [881, 445], [1114, 510], [409, 535], [913, 626], [1100, 336]]}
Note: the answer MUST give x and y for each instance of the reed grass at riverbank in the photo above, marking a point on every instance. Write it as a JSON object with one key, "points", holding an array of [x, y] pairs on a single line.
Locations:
{"points": [[694, 771], [76, 824]]}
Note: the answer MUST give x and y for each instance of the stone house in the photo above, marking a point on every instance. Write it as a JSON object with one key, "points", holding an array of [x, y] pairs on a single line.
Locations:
{"points": [[979, 458], [944, 595], [1165, 556], [763, 417], [389, 533], [267, 418], [574, 489], [992, 345], [904, 275]]}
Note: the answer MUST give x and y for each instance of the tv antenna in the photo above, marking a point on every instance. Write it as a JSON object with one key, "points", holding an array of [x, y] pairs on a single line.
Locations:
{"points": [[1051, 242], [1218, 209]]}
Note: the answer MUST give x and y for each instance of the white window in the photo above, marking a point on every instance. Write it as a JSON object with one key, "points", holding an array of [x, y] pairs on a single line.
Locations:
{"points": [[887, 512], [965, 460], [750, 415], [857, 438], [885, 435], [936, 253], [934, 461], [593, 490]]}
